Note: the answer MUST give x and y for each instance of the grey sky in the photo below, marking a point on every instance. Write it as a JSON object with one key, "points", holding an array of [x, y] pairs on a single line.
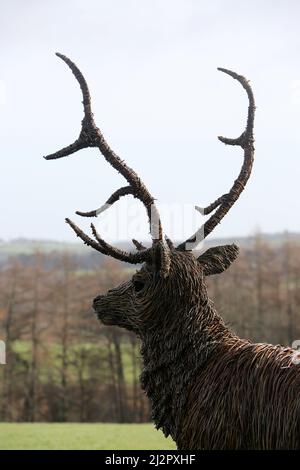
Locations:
{"points": [[158, 98]]}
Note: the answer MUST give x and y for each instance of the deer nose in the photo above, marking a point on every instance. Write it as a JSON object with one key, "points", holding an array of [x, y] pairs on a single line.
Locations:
{"points": [[96, 299]]}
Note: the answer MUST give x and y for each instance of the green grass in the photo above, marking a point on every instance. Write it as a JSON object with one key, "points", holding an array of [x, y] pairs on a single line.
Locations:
{"points": [[69, 436]]}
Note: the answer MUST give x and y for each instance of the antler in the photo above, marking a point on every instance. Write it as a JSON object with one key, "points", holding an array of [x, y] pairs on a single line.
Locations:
{"points": [[225, 202], [91, 136]]}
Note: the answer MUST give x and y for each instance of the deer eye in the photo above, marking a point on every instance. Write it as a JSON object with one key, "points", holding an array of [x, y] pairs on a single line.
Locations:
{"points": [[138, 286]]}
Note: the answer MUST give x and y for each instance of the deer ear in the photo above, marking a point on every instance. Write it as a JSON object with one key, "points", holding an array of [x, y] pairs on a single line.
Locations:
{"points": [[217, 259]]}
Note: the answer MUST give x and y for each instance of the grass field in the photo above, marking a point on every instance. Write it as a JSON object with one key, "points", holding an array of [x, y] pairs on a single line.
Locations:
{"points": [[68, 436]]}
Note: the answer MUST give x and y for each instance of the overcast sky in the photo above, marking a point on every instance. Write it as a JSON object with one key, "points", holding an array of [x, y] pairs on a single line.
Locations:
{"points": [[160, 102]]}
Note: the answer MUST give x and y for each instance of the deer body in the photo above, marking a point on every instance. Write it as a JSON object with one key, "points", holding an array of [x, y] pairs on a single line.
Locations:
{"points": [[208, 388], [230, 394], [247, 397]]}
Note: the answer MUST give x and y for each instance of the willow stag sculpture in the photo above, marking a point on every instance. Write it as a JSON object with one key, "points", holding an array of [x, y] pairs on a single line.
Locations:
{"points": [[208, 388]]}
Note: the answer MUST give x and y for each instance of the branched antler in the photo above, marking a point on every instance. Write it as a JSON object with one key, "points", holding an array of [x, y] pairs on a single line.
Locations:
{"points": [[159, 254], [225, 202], [91, 136]]}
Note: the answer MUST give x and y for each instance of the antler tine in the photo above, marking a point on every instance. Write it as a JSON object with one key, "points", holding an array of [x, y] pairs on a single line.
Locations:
{"points": [[139, 246], [246, 138], [169, 243], [224, 203], [83, 85], [106, 249], [85, 238], [124, 191], [88, 135], [133, 258]]}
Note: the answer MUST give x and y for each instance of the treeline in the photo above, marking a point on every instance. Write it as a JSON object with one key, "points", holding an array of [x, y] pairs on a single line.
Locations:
{"points": [[62, 365], [259, 296]]}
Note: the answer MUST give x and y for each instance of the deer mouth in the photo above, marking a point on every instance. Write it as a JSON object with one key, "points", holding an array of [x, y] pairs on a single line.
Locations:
{"points": [[106, 316], [110, 318]]}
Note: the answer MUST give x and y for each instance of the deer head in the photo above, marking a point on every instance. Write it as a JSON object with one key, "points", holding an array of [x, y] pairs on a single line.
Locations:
{"points": [[171, 279]]}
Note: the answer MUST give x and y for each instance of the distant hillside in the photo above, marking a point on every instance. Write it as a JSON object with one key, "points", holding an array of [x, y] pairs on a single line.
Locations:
{"points": [[26, 246], [23, 246], [272, 238]]}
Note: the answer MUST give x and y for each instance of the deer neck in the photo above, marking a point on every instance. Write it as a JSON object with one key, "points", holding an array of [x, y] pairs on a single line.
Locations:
{"points": [[174, 356]]}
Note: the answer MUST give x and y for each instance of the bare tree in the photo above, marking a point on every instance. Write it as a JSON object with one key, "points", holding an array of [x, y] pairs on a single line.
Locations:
{"points": [[10, 330], [36, 300], [65, 297]]}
